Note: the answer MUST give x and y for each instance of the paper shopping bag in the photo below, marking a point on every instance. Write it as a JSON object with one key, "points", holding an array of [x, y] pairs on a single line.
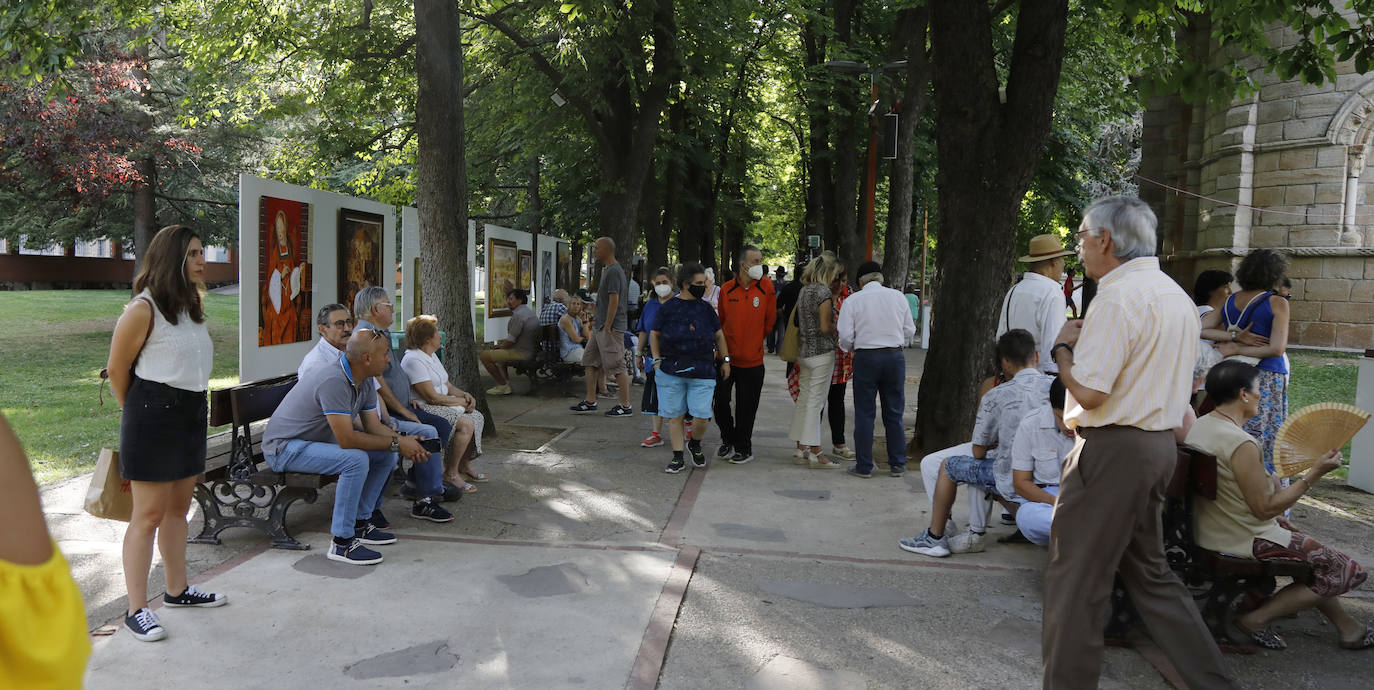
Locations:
{"points": [[109, 496]]}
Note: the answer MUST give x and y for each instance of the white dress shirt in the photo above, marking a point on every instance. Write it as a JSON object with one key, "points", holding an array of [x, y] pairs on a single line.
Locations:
{"points": [[1037, 305], [875, 317], [1040, 447], [1138, 345]]}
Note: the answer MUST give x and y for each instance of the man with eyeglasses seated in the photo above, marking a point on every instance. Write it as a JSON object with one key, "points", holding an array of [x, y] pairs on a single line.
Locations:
{"points": [[312, 431], [335, 325]]}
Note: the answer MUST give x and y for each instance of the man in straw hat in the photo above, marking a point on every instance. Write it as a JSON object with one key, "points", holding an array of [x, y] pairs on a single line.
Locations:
{"points": [[1036, 303], [1128, 370]]}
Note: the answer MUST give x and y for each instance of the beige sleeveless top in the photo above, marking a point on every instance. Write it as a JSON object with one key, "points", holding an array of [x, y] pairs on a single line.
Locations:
{"points": [[1226, 524]]}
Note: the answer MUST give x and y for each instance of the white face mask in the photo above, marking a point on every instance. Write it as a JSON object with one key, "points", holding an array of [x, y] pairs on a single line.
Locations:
{"points": [[663, 290], [755, 272]]}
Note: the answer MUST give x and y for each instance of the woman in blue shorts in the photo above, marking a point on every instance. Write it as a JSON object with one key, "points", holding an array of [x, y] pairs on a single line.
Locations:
{"points": [[686, 341]]}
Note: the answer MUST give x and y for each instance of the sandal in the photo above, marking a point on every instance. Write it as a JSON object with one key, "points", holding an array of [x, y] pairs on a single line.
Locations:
{"points": [[477, 478], [819, 462], [1264, 637], [468, 488], [799, 457], [1365, 641]]}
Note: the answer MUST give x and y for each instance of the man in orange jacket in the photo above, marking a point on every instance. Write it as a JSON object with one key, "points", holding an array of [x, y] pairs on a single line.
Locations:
{"points": [[748, 311]]}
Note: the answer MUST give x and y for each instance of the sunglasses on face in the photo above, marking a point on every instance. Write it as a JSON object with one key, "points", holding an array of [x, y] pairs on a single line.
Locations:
{"points": [[342, 323]]}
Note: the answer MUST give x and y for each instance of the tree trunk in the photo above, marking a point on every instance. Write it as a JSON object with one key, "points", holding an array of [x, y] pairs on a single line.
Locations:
{"points": [[144, 199], [651, 211], [847, 127], [441, 188], [820, 192], [911, 37], [988, 152], [571, 280]]}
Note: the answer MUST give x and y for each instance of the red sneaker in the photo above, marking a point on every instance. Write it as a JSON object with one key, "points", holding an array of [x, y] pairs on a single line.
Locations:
{"points": [[655, 440]]}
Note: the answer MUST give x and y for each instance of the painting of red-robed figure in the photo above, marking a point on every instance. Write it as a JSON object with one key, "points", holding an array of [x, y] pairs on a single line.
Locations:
{"points": [[283, 272]]}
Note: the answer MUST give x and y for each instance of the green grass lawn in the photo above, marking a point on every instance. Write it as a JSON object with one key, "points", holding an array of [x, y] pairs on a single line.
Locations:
{"points": [[1322, 377], [53, 345]]}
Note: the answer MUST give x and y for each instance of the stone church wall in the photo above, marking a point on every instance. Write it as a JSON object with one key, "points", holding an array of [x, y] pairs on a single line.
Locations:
{"points": [[1283, 169]]}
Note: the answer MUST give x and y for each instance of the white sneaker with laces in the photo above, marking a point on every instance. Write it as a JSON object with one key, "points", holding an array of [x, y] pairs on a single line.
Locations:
{"points": [[968, 542]]}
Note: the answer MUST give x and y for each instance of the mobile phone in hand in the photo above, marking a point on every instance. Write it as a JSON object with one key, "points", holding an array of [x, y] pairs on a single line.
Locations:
{"points": [[430, 444]]}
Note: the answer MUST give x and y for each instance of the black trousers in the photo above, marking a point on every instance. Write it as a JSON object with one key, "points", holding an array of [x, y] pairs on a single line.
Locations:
{"points": [[737, 428], [834, 408]]}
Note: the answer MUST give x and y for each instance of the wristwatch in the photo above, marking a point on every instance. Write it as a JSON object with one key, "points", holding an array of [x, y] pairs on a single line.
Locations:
{"points": [[726, 360], [395, 444]]}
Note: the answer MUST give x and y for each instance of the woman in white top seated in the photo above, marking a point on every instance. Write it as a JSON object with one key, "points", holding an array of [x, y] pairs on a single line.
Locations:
{"points": [[1244, 519], [435, 395], [572, 333]]}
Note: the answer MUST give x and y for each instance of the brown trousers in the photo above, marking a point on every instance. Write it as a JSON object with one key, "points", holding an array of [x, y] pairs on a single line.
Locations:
{"points": [[1107, 520]]}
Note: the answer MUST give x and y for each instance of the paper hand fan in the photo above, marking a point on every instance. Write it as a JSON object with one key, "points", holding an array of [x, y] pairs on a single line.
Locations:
{"points": [[1312, 432]]}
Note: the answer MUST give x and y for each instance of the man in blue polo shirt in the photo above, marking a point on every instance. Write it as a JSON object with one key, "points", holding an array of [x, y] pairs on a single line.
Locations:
{"points": [[312, 431]]}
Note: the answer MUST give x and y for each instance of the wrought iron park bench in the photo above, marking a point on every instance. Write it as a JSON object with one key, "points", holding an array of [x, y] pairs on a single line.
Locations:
{"points": [[1216, 580], [238, 489]]}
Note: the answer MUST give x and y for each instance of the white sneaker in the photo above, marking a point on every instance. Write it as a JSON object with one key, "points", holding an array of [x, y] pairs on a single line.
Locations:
{"points": [[968, 542], [499, 390]]}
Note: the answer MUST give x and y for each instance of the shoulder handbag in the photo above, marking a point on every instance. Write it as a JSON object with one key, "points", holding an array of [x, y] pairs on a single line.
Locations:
{"points": [[105, 373], [791, 340], [1245, 315]]}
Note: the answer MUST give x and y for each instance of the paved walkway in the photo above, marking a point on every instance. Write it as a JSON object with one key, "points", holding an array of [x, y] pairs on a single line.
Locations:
{"points": [[584, 565]]}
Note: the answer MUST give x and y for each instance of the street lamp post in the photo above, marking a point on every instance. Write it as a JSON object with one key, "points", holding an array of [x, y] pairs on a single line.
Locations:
{"points": [[871, 188]]}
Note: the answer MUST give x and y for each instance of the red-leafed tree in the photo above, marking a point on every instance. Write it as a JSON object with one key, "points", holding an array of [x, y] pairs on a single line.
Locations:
{"points": [[99, 151]]}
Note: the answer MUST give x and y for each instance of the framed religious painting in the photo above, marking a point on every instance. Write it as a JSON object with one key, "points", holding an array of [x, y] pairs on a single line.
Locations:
{"points": [[563, 268], [503, 275], [526, 271], [360, 253], [546, 273], [284, 305]]}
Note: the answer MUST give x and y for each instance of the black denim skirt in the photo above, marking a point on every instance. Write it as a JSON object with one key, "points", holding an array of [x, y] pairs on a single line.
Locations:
{"points": [[162, 433]]}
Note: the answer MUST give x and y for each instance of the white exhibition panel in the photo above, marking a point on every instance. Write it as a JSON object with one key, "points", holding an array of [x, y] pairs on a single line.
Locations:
{"points": [[1362, 449], [494, 330], [410, 250], [262, 362], [545, 276]]}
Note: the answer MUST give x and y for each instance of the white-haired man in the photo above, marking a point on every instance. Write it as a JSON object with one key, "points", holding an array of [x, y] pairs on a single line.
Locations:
{"points": [[1128, 368], [875, 324]]}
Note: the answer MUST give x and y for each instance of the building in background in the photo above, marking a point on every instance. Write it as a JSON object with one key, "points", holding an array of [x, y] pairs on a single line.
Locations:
{"points": [[98, 264], [1283, 169]]}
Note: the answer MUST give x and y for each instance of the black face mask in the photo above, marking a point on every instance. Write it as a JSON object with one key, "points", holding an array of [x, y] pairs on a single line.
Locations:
{"points": [[698, 291]]}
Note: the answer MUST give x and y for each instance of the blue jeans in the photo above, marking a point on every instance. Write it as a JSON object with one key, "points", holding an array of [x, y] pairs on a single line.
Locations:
{"points": [[879, 374], [362, 475], [439, 424], [428, 475]]}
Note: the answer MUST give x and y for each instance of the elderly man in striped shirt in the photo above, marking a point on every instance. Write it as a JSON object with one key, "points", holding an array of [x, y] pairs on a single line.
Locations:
{"points": [[1128, 368]]}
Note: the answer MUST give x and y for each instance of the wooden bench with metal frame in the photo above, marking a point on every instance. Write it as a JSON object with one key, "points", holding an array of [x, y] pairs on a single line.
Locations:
{"points": [[1216, 580], [238, 489]]}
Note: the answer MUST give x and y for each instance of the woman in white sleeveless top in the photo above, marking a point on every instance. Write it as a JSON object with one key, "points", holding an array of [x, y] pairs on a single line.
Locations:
{"points": [[429, 383], [160, 358]]}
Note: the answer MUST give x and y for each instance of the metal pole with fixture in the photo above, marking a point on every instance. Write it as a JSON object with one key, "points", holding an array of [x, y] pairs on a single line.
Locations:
{"points": [[871, 188]]}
